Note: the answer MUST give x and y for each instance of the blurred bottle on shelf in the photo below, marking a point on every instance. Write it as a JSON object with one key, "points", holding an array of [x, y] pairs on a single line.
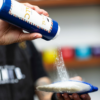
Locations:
{"points": [[96, 51], [83, 52], [49, 55], [68, 53]]}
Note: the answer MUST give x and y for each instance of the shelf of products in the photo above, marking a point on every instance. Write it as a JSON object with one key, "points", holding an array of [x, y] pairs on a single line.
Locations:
{"points": [[48, 3], [77, 63]]}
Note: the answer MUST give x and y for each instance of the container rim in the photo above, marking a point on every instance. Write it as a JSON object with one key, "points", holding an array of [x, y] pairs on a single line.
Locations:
{"points": [[1, 3], [57, 33]]}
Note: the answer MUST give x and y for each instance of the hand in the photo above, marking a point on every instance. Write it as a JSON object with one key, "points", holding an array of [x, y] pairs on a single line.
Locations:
{"points": [[41, 94], [12, 34], [74, 96]]}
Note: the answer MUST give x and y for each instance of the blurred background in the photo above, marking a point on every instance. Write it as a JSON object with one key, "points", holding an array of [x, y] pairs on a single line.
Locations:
{"points": [[79, 39]]}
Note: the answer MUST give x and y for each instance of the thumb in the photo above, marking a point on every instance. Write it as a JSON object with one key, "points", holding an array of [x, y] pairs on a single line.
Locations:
{"points": [[28, 36], [76, 78]]}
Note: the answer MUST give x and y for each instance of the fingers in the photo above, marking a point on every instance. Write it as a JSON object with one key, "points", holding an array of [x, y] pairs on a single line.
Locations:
{"points": [[76, 96], [59, 96], [85, 97], [42, 11], [76, 78], [66, 96], [37, 9], [27, 36]]}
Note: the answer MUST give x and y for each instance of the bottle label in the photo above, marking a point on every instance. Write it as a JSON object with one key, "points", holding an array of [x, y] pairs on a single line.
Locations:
{"points": [[30, 16]]}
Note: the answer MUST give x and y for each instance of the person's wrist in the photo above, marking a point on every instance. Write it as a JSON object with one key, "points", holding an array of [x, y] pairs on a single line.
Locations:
{"points": [[0, 25]]}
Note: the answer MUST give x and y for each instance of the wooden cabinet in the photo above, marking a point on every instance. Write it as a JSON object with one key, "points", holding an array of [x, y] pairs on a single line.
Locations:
{"points": [[54, 3], [76, 63]]}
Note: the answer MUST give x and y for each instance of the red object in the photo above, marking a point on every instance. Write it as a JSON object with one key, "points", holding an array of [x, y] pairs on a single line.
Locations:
{"points": [[68, 53]]}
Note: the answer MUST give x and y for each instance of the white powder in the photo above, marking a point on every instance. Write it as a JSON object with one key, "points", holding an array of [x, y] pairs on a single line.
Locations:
{"points": [[61, 69], [64, 86], [67, 86]]}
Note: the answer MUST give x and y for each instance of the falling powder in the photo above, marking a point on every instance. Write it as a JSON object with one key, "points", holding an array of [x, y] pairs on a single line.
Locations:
{"points": [[60, 66]]}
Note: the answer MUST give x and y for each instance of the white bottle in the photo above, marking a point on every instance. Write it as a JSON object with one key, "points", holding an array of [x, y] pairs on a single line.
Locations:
{"points": [[28, 19]]}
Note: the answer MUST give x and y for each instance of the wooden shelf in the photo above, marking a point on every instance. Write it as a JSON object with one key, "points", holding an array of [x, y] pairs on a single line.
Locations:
{"points": [[49, 3], [76, 63]]}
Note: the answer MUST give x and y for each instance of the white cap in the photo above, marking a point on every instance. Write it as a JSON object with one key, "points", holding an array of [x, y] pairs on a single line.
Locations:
{"points": [[57, 33], [1, 3]]}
